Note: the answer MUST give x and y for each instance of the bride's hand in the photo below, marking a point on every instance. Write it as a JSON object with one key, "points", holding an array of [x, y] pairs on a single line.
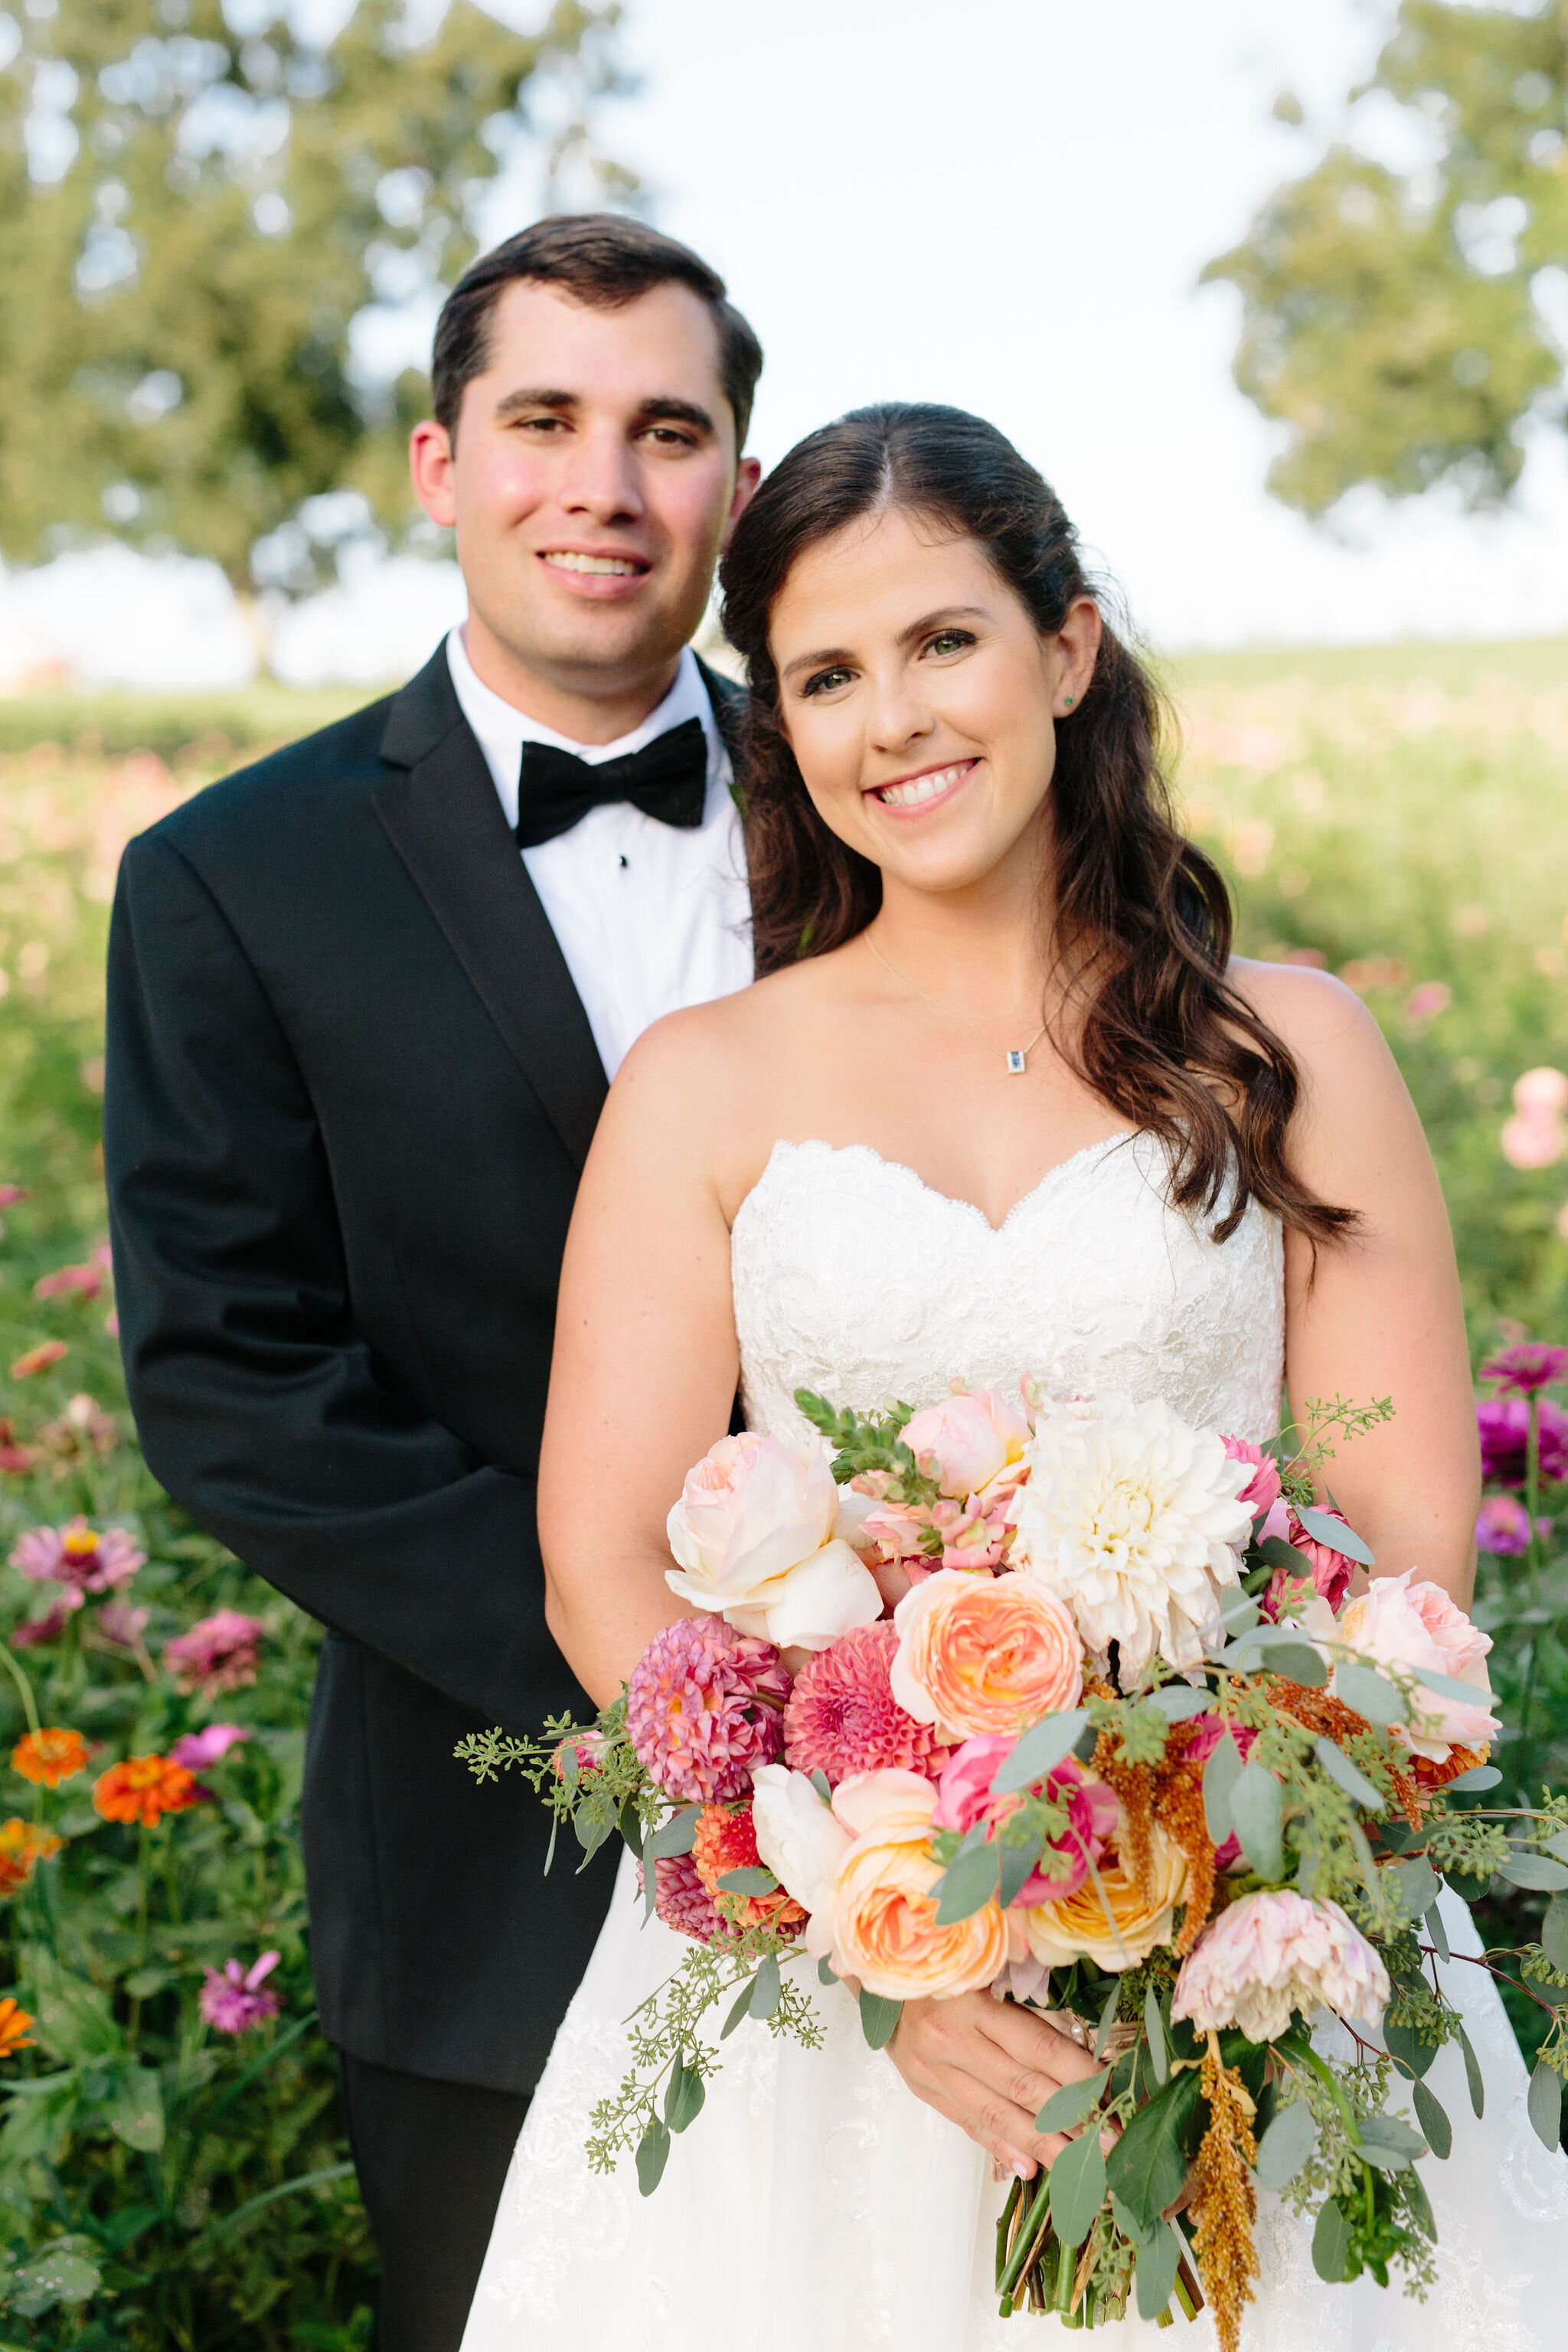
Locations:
{"points": [[989, 2066]]}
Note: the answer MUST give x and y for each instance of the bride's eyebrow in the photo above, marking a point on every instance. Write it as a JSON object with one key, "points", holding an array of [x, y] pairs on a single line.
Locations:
{"points": [[828, 654]]}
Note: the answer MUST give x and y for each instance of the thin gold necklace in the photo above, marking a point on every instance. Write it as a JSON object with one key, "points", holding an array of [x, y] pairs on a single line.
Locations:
{"points": [[1015, 1056]]}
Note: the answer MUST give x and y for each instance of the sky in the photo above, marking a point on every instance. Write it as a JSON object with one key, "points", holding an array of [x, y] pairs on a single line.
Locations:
{"points": [[1004, 203]]}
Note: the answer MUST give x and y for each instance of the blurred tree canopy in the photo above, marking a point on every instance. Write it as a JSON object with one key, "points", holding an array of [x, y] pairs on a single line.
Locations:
{"points": [[196, 201], [1399, 323]]}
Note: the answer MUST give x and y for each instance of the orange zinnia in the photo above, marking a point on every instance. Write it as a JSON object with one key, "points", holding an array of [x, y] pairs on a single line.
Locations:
{"points": [[143, 1788], [50, 1755], [14, 2024], [22, 1845]]}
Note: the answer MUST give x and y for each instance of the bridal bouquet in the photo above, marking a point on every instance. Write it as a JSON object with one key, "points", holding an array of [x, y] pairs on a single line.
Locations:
{"points": [[1077, 1707]]}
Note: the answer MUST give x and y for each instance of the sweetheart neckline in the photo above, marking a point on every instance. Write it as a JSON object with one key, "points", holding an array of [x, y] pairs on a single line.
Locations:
{"points": [[951, 1200]]}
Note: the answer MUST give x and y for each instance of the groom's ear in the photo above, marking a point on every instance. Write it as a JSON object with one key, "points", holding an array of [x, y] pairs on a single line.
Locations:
{"points": [[748, 474]]}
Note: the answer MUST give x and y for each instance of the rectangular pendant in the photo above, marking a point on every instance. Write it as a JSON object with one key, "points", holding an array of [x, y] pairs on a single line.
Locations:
{"points": [[1015, 1062]]}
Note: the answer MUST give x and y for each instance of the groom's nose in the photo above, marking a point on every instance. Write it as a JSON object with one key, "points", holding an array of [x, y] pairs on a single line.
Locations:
{"points": [[600, 477]]}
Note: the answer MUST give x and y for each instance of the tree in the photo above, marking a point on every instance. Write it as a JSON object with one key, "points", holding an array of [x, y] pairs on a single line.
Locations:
{"points": [[1398, 324], [196, 204]]}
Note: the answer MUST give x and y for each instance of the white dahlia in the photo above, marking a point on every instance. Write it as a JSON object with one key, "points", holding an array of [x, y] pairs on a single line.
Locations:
{"points": [[1132, 1520]]}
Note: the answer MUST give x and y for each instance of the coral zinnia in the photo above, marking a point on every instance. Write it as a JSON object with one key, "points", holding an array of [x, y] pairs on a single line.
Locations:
{"points": [[50, 1756], [726, 1841], [143, 1788], [22, 1845], [842, 1716], [703, 1708], [14, 2023]]}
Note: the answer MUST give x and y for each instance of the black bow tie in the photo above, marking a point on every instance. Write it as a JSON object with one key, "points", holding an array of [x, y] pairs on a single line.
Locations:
{"points": [[667, 779]]}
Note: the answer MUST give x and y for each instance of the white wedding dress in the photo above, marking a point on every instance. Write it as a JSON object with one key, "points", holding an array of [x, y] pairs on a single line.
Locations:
{"points": [[816, 2205]]}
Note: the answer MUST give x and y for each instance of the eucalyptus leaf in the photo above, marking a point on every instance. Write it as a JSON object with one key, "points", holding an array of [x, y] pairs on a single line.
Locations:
{"points": [[1017, 1861], [1557, 1845], [766, 1986], [1154, 2027], [879, 2018], [1419, 2205], [1433, 1922], [684, 2097], [653, 2155], [1108, 2019], [966, 1886], [631, 1827], [1275, 1552], [1340, 1769], [1299, 1663], [1038, 1751], [1545, 2104], [741, 2003], [1221, 1774], [1473, 2078], [1286, 2145], [1469, 1885], [1177, 1701], [1411, 2054], [1390, 2134], [1536, 1871], [1370, 1692], [1146, 2168], [1417, 1883], [1433, 2118], [1554, 1933], [1256, 1809], [1158, 2257], [1238, 1612], [1480, 1776], [826, 1974], [1331, 2243], [748, 1882], [1067, 2107], [820, 1782], [677, 1835], [1447, 1685], [1078, 2187], [1335, 1534]]}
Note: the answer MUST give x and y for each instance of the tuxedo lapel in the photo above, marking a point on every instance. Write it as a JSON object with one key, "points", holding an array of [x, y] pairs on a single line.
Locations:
{"points": [[439, 808]]}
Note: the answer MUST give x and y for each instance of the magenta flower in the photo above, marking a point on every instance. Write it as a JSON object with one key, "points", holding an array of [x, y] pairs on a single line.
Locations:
{"points": [[83, 1281], [119, 1623], [217, 1654], [198, 1751], [703, 1708], [965, 1798], [1525, 1369], [231, 1997], [683, 1901], [1504, 1424], [77, 1556], [842, 1718], [49, 1627], [1262, 1490], [1502, 1525]]}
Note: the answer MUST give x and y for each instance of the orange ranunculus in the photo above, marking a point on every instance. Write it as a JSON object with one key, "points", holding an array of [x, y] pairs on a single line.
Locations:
{"points": [[1107, 1920], [22, 1845], [14, 2023], [982, 1654], [143, 1788], [884, 1916], [50, 1756]]}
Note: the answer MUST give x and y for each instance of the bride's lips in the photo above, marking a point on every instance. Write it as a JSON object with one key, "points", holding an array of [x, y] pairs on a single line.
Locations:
{"points": [[602, 574], [926, 788]]}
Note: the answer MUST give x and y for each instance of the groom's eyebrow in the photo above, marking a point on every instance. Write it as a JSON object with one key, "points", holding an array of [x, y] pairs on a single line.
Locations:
{"points": [[658, 408]]}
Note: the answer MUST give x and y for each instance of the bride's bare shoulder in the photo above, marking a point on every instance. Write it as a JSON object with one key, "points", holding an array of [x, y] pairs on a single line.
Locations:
{"points": [[1338, 1046]]}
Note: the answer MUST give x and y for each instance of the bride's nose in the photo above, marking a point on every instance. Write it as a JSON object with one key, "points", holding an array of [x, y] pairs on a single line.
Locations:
{"points": [[899, 714]]}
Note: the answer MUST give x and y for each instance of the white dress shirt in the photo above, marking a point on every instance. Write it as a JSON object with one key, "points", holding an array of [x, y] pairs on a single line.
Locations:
{"points": [[650, 917]]}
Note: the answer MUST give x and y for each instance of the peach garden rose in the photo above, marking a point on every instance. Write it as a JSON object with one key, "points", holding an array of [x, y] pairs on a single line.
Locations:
{"points": [[753, 1535], [984, 1654], [1400, 1623], [1109, 1920], [973, 1436], [885, 1930]]}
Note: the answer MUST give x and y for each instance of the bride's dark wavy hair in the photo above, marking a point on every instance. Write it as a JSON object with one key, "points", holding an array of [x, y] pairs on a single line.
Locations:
{"points": [[1142, 918]]}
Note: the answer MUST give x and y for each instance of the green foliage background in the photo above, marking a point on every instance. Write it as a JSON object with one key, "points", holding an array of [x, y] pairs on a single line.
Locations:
{"points": [[1401, 814]]}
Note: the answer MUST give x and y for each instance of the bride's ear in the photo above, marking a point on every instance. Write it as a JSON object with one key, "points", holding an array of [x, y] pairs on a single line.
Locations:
{"points": [[1074, 651]]}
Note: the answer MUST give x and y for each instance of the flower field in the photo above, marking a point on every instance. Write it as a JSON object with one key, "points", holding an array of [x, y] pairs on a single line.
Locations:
{"points": [[173, 2170]]}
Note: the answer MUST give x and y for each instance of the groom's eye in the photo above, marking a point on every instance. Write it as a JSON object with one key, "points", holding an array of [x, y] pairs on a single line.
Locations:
{"points": [[825, 679]]}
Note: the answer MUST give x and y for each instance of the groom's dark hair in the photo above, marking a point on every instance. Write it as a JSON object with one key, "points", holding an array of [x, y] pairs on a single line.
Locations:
{"points": [[605, 261]]}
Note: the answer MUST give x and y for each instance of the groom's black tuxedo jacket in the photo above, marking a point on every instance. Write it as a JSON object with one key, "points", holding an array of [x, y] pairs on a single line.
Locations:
{"points": [[350, 1088]]}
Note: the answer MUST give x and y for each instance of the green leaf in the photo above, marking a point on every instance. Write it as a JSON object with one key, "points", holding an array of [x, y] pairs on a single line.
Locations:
{"points": [[1221, 1774], [967, 1885], [122, 2229], [1557, 1845], [677, 1835], [1554, 1933], [1335, 1534], [879, 2018], [1432, 1920], [821, 1783], [1108, 2018], [1407, 2049], [1447, 1686], [1389, 2141], [1154, 2027], [748, 1882], [766, 1988], [1257, 1811], [1146, 2168], [136, 2110], [1419, 2205], [631, 1827], [1331, 2244], [1478, 2088], [1176, 1701], [1158, 2257], [1017, 1861], [1355, 1783], [1276, 1553], [1480, 1776], [1286, 2145], [825, 1973], [653, 2155], [1535, 1871], [739, 2009], [1370, 1692], [1434, 2120], [1297, 1661], [1417, 1883], [1469, 1885], [1067, 2107], [1238, 1612], [75, 2020], [1077, 2187], [63, 2271], [1545, 2104], [1037, 1752], [684, 2096]]}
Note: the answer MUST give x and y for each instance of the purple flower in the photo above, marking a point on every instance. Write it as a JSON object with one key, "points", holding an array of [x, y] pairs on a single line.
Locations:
{"points": [[49, 1627], [231, 1998], [1502, 1525], [1525, 1369], [1504, 1426], [199, 1751], [217, 1654], [699, 1711], [77, 1556], [119, 1623]]}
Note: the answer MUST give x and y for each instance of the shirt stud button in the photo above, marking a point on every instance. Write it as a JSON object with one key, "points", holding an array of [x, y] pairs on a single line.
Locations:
{"points": [[622, 861]]}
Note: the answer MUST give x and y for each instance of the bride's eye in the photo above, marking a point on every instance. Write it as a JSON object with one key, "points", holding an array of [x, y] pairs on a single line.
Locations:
{"points": [[949, 641], [822, 681]]}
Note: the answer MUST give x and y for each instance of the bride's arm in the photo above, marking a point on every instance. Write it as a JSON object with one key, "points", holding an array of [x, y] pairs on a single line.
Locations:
{"points": [[644, 1372], [1379, 1315]]}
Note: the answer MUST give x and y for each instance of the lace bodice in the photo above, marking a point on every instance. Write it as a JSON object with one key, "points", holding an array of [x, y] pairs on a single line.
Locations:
{"points": [[853, 1277]]}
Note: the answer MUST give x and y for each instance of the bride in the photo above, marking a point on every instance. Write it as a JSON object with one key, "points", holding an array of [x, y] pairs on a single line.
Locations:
{"points": [[1001, 1101]]}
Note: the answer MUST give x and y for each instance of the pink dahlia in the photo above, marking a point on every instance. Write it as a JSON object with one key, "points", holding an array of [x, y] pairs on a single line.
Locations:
{"points": [[231, 1997], [77, 1556], [704, 1707], [217, 1654], [1273, 1954], [1504, 1424], [843, 1719], [1525, 1369], [683, 1901]]}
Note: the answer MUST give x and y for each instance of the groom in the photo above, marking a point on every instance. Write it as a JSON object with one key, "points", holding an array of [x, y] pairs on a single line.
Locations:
{"points": [[364, 1001]]}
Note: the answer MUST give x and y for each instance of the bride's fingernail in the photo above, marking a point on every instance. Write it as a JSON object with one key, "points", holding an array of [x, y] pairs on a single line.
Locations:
{"points": [[1021, 2170]]}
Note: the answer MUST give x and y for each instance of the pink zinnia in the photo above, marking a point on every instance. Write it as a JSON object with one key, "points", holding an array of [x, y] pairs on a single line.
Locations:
{"points": [[703, 1708], [198, 1751], [119, 1623], [217, 1654], [842, 1718], [683, 1901], [1504, 1426], [86, 1280], [231, 1997], [1502, 1525], [1525, 1369], [76, 1555]]}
